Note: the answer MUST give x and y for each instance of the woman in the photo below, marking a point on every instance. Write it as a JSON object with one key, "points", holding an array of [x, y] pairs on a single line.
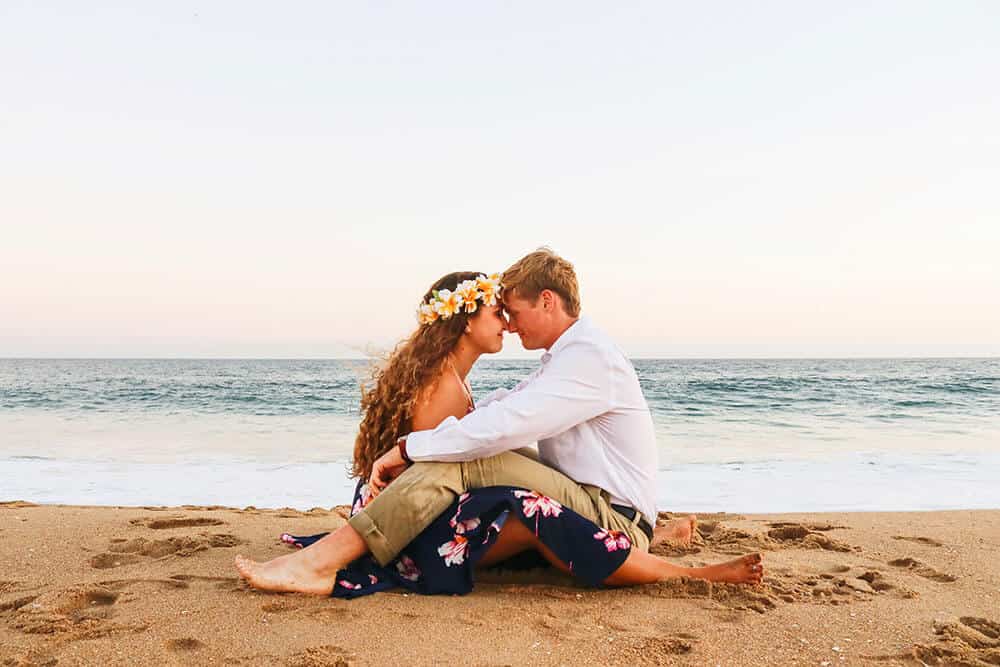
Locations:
{"points": [[423, 383]]}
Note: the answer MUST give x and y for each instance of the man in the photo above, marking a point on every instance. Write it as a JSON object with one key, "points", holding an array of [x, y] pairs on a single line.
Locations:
{"points": [[584, 407]]}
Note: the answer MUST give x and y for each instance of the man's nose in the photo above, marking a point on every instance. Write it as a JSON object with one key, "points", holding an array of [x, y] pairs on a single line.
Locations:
{"points": [[511, 327]]}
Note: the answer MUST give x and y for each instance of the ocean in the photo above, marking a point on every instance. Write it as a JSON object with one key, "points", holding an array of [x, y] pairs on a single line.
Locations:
{"points": [[733, 435]]}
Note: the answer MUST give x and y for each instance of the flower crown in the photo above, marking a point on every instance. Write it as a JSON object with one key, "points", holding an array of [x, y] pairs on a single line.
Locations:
{"points": [[466, 296]]}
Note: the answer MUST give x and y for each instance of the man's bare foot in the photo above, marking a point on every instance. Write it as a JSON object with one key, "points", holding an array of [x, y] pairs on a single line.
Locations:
{"points": [[676, 530], [286, 574], [743, 570]]}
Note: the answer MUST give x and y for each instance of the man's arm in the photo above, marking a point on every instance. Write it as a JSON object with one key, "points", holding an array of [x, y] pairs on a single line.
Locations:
{"points": [[574, 386]]}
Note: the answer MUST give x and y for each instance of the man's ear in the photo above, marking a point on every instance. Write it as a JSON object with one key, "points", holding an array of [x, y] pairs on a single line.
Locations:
{"points": [[548, 299]]}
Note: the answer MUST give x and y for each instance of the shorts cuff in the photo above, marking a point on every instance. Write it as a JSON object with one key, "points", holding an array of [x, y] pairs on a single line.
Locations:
{"points": [[377, 543]]}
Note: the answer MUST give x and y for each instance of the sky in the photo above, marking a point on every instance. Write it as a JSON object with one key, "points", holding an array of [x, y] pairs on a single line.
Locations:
{"points": [[773, 179]]}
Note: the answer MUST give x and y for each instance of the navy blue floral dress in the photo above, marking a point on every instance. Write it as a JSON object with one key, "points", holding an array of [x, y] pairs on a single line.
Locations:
{"points": [[442, 558]]}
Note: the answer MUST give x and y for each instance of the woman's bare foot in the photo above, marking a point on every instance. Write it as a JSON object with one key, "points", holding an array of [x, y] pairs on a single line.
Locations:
{"points": [[676, 530], [286, 574], [743, 570]]}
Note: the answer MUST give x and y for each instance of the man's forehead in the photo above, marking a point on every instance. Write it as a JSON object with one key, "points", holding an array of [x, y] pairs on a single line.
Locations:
{"points": [[512, 303]]}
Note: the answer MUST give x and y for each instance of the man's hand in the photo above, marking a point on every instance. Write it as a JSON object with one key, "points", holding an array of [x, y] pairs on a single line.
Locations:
{"points": [[388, 467]]}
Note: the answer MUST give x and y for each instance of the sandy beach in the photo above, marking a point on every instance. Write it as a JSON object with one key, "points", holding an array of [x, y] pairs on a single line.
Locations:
{"points": [[156, 585]]}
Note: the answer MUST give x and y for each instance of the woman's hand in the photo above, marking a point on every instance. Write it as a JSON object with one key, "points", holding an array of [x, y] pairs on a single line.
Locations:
{"points": [[386, 468]]}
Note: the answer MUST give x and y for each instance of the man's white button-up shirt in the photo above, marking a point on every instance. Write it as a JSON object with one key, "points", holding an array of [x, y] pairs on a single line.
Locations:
{"points": [[583, 407]]}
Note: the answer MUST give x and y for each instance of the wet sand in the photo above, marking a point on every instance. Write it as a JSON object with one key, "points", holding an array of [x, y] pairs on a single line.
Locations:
{"points": [[156, 585]]}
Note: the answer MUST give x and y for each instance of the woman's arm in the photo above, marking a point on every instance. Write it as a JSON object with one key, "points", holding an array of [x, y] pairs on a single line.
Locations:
{"points": [[443, 400]]}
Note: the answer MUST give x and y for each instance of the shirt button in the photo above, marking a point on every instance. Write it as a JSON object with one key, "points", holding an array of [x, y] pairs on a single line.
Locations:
{"points": [[546, 358]]}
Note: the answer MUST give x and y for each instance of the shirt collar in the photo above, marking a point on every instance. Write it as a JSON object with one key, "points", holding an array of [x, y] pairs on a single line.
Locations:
{"points": [[572, 332]]}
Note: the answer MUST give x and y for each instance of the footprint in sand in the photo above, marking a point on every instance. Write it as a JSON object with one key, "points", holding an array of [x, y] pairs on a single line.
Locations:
{"points": [[723, 539], [783, 535], [176, 522], [140, 549], [184, 644], [925, 571], [846, 586], [825, 588], [221, 583], [927, 541], [81, 610], [821, 527], [32, 657], [969, 640], [808, 537], [280, 606], [653, 650], [670, 548], [732, 596], [323, 656], [7, 586]]}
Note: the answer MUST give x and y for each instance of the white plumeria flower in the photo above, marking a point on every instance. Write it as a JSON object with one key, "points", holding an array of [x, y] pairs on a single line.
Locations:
{"points": [[426, 313], [447, 303], [469, 295], [490, 288]]}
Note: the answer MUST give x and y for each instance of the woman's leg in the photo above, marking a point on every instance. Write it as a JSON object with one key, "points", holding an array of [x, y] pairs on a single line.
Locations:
{"points": [[644, 568], [515, 538], [639, 568], [311, 570]]}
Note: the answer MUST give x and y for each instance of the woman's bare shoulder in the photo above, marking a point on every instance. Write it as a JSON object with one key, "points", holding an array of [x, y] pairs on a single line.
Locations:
{"points": [[445, 398]]}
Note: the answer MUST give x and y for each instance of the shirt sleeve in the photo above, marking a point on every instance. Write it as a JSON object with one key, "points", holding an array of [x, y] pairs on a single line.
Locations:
{"points": [[575, 386]]}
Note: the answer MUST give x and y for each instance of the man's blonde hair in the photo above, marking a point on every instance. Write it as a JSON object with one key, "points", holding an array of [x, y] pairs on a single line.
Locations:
{"points": [[544, 270]]}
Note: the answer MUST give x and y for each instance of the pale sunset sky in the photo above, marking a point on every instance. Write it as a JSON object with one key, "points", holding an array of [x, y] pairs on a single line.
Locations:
{"points": [[248, 179]]}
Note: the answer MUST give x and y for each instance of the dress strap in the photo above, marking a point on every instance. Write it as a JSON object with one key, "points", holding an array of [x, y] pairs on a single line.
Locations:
{"points": [[465, 387]]}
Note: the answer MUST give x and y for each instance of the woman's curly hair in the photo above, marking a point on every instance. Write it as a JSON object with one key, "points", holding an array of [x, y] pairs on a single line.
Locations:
{"points": [[405, 378]]}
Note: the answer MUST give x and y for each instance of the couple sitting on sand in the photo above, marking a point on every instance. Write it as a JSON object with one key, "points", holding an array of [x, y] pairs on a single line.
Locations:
{"points": [[448, 486]]}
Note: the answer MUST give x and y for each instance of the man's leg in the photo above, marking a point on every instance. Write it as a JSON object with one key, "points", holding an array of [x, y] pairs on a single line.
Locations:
{"points": [[406, 506], [414, 499]]}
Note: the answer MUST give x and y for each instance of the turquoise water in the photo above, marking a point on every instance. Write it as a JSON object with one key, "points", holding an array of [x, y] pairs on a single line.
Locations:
{"points": [[748, 435]]}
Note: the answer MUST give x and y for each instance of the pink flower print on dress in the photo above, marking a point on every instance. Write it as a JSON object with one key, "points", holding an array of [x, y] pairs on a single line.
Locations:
{"points": [[346, 584], [613, 539], [463, 527], [536, 502], [537, 505], [454, 552], [373, 579], [407, 568], [288, 539], [363, 499]]}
